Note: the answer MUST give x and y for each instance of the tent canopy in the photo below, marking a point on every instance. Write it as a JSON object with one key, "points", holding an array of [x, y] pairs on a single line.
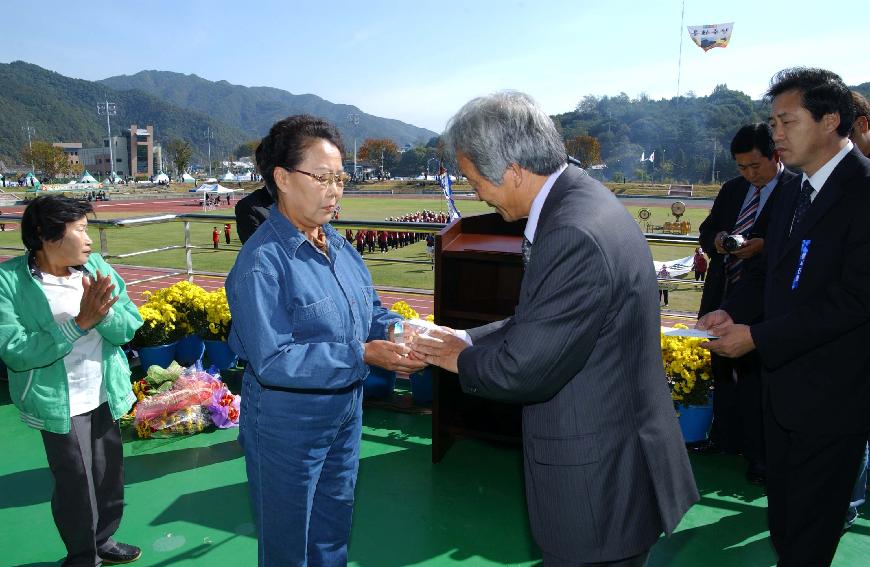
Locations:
{"points": [[212, 188], [188, 178], [161, 178], [87, 178]]}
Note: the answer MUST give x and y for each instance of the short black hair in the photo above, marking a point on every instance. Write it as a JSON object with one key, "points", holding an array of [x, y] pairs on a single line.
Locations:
{"points": [[287, 141], [46, 217], [822, 92], [758, 136]]}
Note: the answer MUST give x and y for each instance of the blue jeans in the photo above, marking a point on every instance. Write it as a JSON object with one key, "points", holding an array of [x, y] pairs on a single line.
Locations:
{"points": [[302, 457]]}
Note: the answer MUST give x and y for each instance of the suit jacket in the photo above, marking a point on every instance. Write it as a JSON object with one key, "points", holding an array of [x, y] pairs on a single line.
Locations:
{"points": [[814, 336], [252, 211], [605, 464], [723, 216]]}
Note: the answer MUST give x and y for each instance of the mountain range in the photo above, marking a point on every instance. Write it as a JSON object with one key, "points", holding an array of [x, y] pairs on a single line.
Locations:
{"points": [[59, 108]]}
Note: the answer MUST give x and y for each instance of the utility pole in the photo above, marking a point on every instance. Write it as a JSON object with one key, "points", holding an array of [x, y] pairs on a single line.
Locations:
{"points": [[353, 120], [109, 109], [30, 130]]}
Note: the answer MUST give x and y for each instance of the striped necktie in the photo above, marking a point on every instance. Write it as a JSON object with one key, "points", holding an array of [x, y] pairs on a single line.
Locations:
{"points": [[527, 251], [804, 200], [745, 220]]}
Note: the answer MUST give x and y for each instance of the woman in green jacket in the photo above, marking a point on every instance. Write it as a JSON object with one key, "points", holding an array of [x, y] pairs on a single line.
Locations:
{"points": [[64, 314]]}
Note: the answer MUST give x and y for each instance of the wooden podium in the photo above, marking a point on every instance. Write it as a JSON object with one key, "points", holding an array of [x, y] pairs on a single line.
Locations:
{"points": [[478, 271]]}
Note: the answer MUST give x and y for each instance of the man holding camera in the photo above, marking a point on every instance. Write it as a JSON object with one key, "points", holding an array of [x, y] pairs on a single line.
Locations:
{"points": [[732, 236]]}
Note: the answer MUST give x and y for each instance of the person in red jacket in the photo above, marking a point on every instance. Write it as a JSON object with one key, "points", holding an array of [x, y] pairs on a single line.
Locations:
{"points": [[699, 264], [215, 237]]}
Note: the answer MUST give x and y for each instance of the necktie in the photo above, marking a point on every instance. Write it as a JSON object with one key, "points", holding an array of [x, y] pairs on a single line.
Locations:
{"points": [[527, 251], [744, 223], [802, 205]]}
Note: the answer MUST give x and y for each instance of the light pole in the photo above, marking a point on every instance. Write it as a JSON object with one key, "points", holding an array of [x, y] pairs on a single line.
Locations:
{"points": [[30, 130], [353, 120], [209, 136], [713, 169], [109, 109]]}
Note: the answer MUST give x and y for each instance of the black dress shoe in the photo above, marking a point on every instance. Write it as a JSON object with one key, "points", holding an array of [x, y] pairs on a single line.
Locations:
{"points": [[756, 476], [120, 553]]}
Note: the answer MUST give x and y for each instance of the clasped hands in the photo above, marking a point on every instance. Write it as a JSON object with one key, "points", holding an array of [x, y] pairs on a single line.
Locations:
{"points": [[96, 300], [733, 340], [440, 346]]}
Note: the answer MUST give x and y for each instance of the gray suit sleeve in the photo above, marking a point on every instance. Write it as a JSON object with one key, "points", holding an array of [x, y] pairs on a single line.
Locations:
{"points": [[565, 298]]}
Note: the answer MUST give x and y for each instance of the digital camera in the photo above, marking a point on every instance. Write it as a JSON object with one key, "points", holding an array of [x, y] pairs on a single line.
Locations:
{"points": [[732, 242]]}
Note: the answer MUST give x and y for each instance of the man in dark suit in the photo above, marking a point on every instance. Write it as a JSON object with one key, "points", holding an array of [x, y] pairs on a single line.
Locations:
{"points": [[813, 288], [605, 465], [742, 207]]}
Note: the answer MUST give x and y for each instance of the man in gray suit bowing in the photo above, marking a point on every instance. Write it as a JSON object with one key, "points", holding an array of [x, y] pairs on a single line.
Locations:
{"points": [[605, 465]]}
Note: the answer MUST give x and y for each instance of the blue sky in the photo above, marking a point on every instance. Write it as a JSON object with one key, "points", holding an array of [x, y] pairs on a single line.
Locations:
{"points": [[418, 61]]}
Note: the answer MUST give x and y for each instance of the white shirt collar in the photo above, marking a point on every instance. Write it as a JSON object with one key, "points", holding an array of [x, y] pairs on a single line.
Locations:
{"points": [[538, 203], [819, 178]]}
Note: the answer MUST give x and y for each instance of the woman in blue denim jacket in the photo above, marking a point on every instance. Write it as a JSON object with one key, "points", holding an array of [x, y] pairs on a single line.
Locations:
{"points": [[309, 322]]}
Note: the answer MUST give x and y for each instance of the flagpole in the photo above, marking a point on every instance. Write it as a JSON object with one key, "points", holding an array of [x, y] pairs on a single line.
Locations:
{"points": [[680, 59]]}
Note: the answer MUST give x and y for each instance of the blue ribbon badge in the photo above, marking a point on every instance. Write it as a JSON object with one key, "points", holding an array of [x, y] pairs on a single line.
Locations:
{"points": [[805, 247]]}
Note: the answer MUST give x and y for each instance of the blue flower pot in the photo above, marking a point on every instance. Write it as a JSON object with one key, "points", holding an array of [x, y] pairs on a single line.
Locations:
{"points": [[160, 355], [220, 355], [695, 422], [379, 383], [421, 386], [189, 350]]}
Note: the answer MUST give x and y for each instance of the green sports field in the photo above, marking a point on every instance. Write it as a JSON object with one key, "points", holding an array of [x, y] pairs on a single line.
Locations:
{"points": [[205, 258]]}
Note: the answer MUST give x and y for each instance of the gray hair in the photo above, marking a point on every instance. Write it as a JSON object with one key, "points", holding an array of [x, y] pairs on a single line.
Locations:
{"points": [[507, 127]]}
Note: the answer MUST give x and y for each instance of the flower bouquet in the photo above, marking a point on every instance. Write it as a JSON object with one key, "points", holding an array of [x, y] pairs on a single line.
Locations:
{"points": [[688, 370], [195, 401]]}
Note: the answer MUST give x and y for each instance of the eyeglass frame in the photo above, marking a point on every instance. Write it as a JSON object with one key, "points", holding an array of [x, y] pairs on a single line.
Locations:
{"points": [[338, 179]]}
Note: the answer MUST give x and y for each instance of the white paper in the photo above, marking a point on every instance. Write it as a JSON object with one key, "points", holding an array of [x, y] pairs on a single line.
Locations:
{"points": [[693, 333]]}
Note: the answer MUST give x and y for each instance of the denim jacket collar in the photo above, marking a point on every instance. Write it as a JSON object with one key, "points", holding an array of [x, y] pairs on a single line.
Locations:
{"points": [[294, 238]]}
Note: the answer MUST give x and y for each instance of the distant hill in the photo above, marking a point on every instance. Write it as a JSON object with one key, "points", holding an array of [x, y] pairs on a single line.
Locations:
{"points": [[60, 108], [686, 133], [254, 109]]}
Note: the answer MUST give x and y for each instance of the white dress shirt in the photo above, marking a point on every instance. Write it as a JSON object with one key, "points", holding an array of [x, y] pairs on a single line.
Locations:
{"points": [[819, 178]]}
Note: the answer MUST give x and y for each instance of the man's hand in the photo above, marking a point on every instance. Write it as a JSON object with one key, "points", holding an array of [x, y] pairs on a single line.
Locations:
{"points": [[440, 347], [750, 248], [391, 356], [734, 341], [96, 301], [713, 321], [717, 242]]}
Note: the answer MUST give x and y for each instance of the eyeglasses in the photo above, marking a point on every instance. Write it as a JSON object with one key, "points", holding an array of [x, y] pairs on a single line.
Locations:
{"points": [[324, 179]]}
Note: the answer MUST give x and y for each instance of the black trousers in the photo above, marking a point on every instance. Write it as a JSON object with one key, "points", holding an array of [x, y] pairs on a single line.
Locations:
{"points": [[737, 407], [810, 477], [88, 469]]}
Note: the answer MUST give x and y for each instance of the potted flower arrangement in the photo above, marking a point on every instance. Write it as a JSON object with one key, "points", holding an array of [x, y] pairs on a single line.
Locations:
{"points": [[212, 321], [188, 299], [155, 340], [690, 377]]}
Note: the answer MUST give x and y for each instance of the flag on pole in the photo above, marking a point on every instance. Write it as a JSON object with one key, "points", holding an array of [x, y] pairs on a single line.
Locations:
{"points": [[447, 189], [712, 35]]}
